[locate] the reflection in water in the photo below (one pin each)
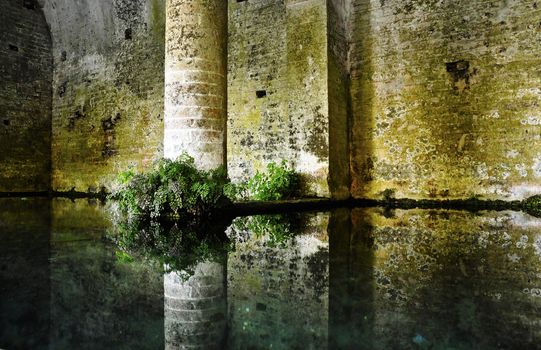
(194, 259)
(61, 286)
(278, 293)
(350, 279)
(441, 280)
(195, 308)
(98, 301)
(179, 247)
(351, 317)
(24, 274)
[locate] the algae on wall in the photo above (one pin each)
(445, 99)
(108, 89)
(277, 94)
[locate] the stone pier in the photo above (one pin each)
(195, 80)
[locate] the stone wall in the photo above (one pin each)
(25, 97)
(445, 98)
(441, 99)
(277, 94)
(107, 89)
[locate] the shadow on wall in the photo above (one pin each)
(362, 92)
(26, 72)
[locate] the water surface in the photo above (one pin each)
(346, 279)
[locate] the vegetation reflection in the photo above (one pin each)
(179, 247)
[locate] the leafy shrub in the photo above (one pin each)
(179, 188)
(278, 182)
(176, 187)
(533, 205)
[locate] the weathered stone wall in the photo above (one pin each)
(278, 283)
(196, 81)
(107, 89)
(26, 72)
(441, 99)
(445, 98)
(277, 89)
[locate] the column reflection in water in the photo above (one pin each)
(195, 307)
(194, 255)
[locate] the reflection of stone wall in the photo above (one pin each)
(278, 295)
(79, 219)
(97, 300)
(24, 273)
(350, 287)
(450, 278)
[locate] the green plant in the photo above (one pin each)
(388, 194)
(179, 188)
(278, 182)
(176, 187)
(533, 205)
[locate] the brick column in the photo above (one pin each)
(195, 310)
(195, 80)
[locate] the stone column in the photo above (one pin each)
(195, 309)
(195, 80)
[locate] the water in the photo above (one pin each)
(347, 279)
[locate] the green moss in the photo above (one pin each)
(85, 154)
(451, 136)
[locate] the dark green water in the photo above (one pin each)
(347, 279)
